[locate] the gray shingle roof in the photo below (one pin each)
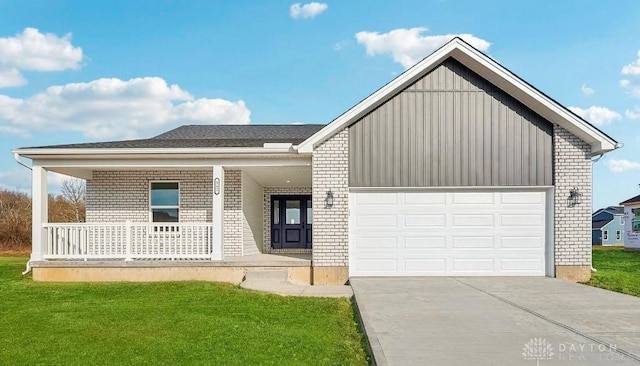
(631, 200)
(599, 224)
(200, 136)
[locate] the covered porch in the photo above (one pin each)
(167, 210)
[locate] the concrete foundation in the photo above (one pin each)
(574, 273)
(330, 275)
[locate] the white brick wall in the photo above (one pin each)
(233, 213)
(572, 230)
(117, 196)
(271, 191)
(331, 225)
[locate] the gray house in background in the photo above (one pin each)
(608, 226)
(455, 168)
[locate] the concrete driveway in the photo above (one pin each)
(497, 321)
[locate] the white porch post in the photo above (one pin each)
(39, 212)
(217, 213)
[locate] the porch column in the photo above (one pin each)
(39, 212)
(217, 213)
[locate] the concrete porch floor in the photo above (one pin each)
(231, 269)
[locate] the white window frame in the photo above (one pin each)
(618, 235)
(605, 234)
(151, 207)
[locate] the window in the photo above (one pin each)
(165, 201)
(621, 220)
(635, 220)
(605, 235)
(618, 235)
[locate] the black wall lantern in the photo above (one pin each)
(575, 197)
(328, 201)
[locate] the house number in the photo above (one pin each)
(216, 186)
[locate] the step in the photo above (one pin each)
(266, 275)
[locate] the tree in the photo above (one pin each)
(74, 191)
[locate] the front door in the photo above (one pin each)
(291, 221)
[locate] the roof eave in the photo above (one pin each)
(44, 153)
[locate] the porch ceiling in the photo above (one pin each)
(299, 176)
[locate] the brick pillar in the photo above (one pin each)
(331, 224)
(572, 225)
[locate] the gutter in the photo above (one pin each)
(16, 157)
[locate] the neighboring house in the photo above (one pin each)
(607, 226)
(455, 168)
(632, 223)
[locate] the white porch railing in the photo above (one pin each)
(129, 241)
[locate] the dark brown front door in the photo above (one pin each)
(291, 222)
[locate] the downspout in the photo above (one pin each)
(16, 157)
(595, 160)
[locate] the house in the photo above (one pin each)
(632, 223)
(607, 226)
(455, 168)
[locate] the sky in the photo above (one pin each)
(81, 71)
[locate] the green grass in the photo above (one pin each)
(188, 323)
(618, 270)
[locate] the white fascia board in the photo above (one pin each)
(152, 151)
(170, 163)
(494, 73)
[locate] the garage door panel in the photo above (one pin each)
(425, 221)
(376, 242)
(522, 242)
(376, 221)
(377, 198)
(472, 265)
(425, 266)
(472, 237)
(473, 198)
(473, 220)
(521, 265)
(521, 220)
(435, 199)
(472, 242)
(424, 242)
(522, 198)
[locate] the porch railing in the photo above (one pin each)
(129, 241)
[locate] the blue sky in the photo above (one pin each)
(75, 71)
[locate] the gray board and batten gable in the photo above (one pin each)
(451, 128)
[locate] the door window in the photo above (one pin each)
(293, 212)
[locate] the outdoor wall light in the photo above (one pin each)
(328, 201)
(575, 197)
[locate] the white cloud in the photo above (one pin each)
(114, 109)
(11, 77)
(622, 165)
(599, 116)
(310, 10)
(587, 90)
(633, 114)
(408, 46)
(35, 51)
(633, 68)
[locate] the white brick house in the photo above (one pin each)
(456, 167)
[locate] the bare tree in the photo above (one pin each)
(74, 191)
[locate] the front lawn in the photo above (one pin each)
(618, 270)
(188, 323)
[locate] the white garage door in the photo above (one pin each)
(447, 233)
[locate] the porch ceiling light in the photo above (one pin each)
(328, 200)
(575, 197)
